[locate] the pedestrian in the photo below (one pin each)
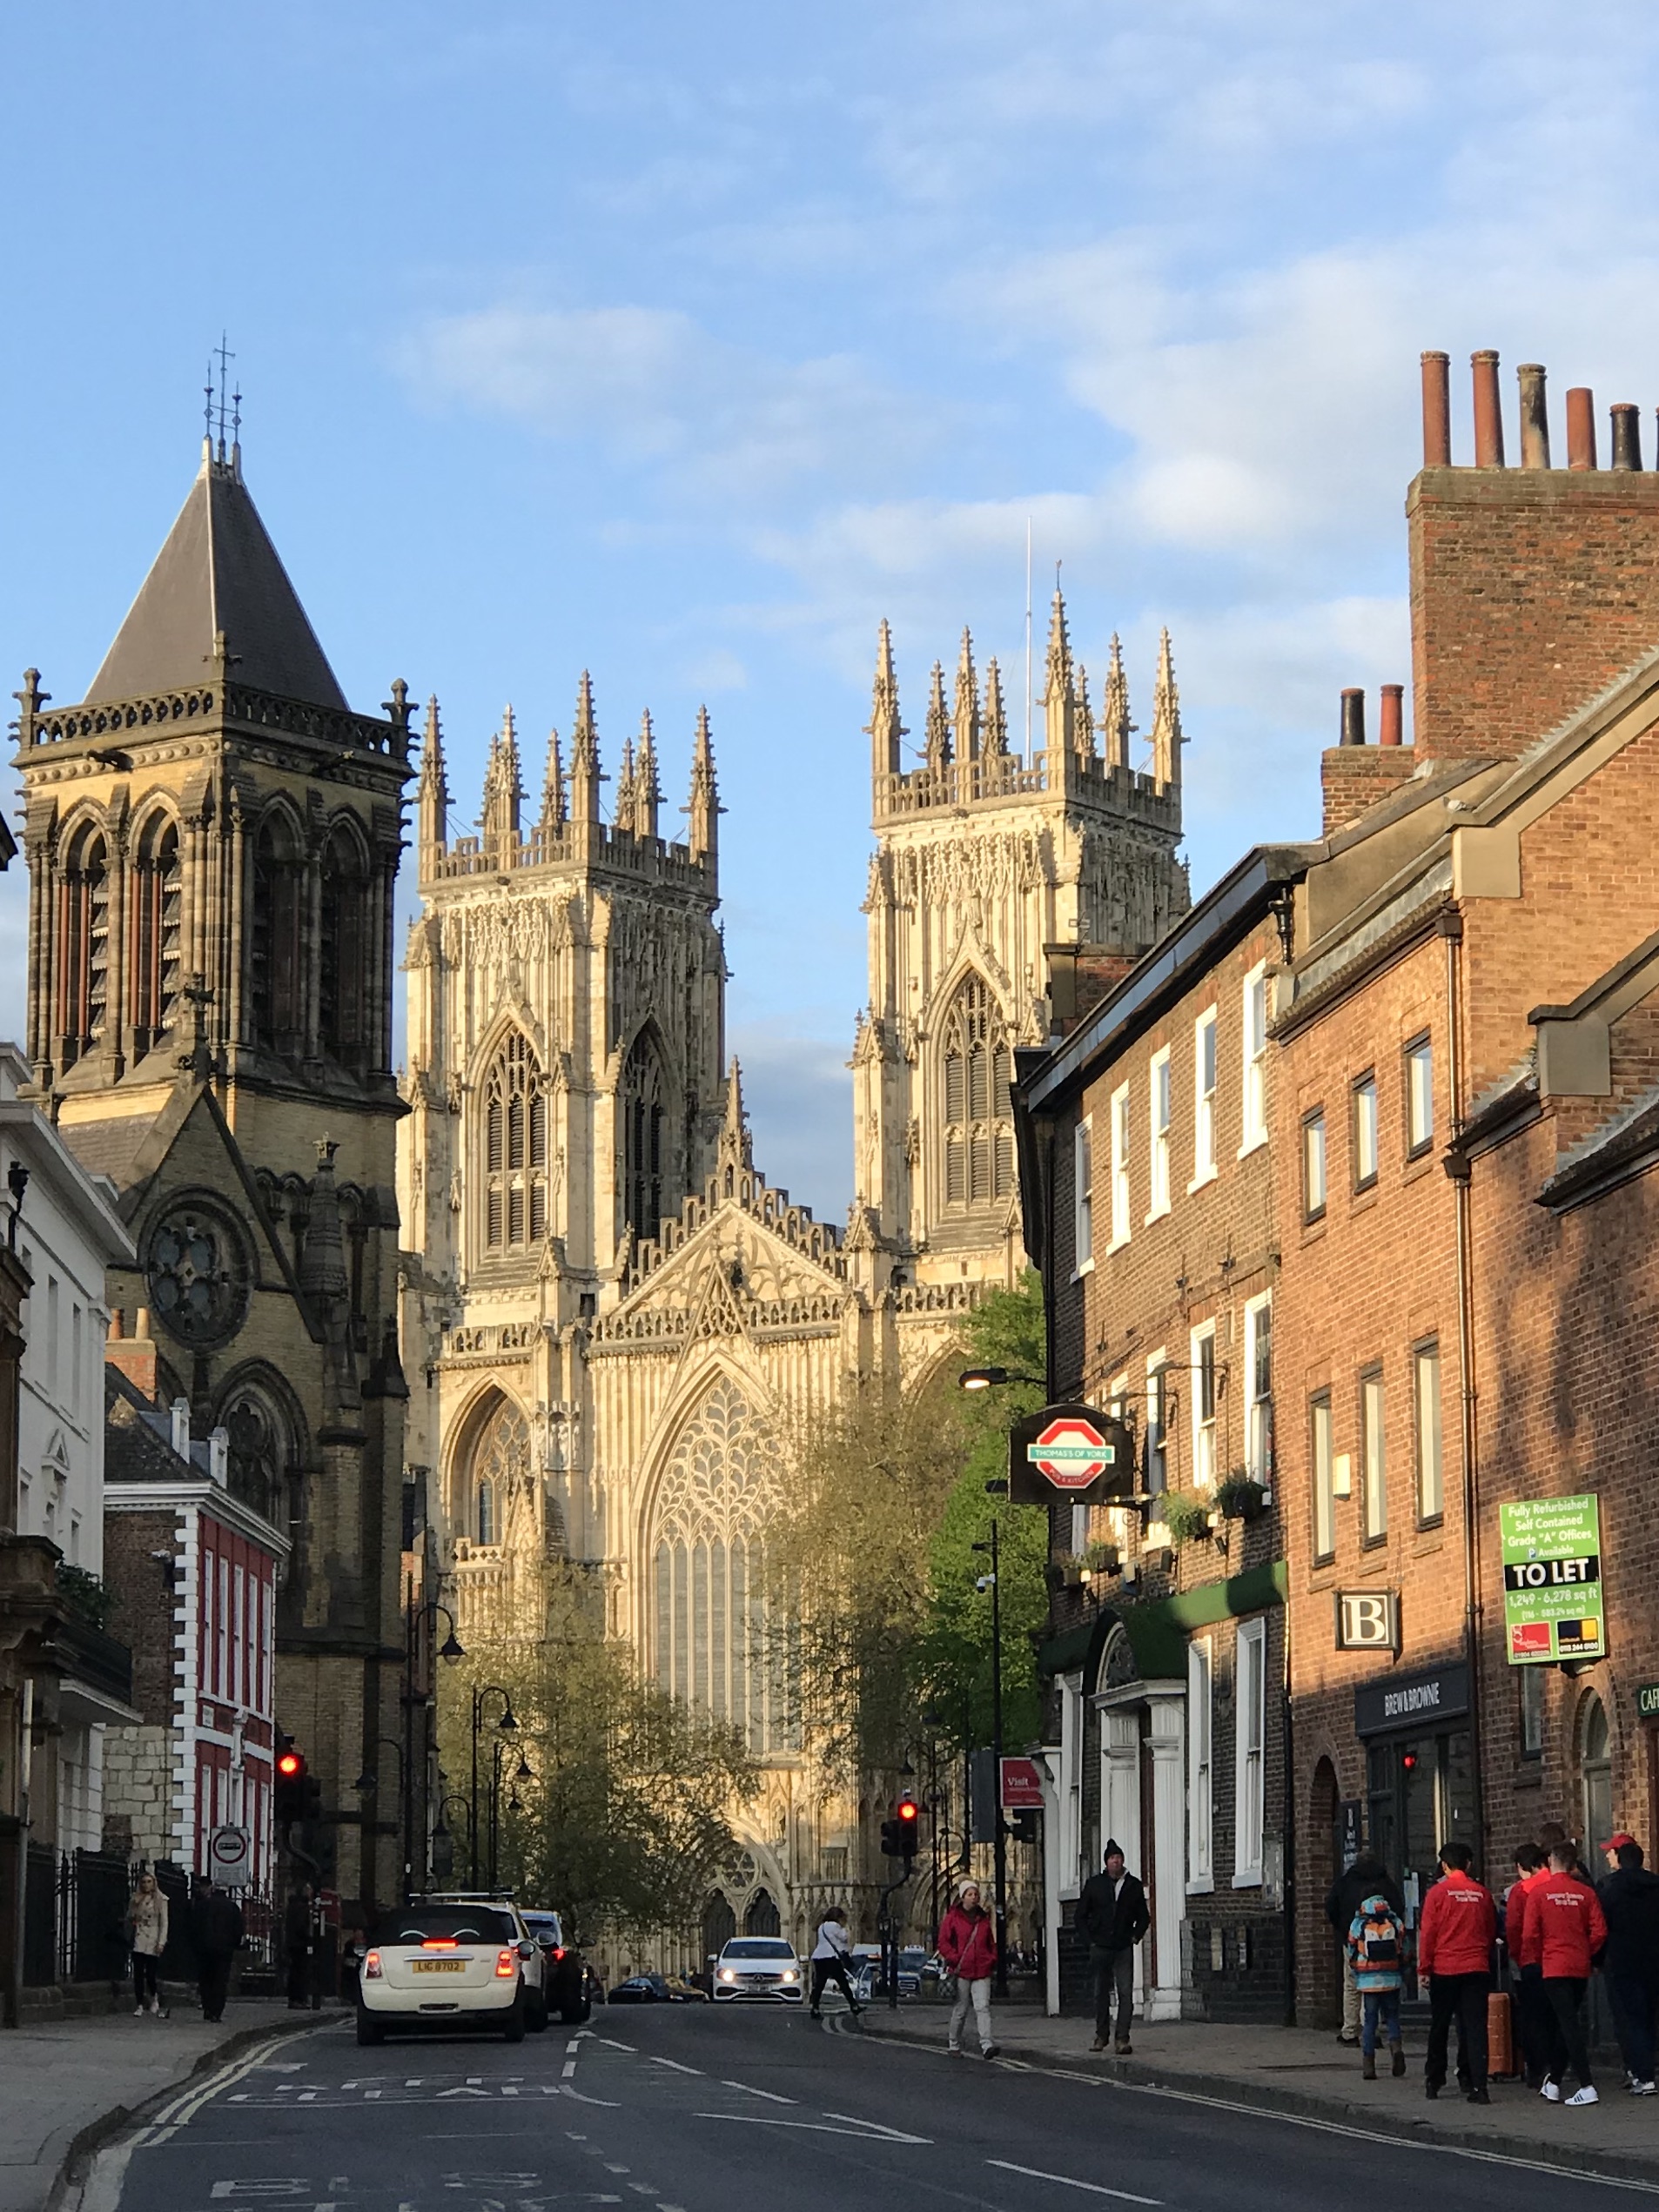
(968, 1946)
(1630, 1905)
(1377, 1946)
(216, 1933)
(1367, 1877)
(296, 1940)
(1112, 1917)
(1455, 1938)
(147, 1922)
(830, 1955)
(1532, 1866)
(1565, 1931)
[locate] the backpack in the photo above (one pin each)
(1379, 1941)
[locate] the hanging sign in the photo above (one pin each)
(1552, 1580)
(1069, 1452)
(1022, 1785)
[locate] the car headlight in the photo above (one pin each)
(727, 1974)
(789, 1974)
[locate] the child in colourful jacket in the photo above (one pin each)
(1377, 1947)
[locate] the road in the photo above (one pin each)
(704, 2109)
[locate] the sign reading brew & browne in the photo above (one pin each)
(1414, 1701)
(1552, 1580)
(1069, 1451)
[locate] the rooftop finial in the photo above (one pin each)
(966, 718)
(1114, 711)
(939, 722)
(885, 727)
(1167, 736)
(1059, 691)
(220, 411)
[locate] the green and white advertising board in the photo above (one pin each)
(1552, 1580)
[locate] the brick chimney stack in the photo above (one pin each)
(134, 1356)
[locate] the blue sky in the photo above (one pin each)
(684, 345)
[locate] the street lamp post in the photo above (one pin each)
(508, 1725)
(999, 1843)
(368, 1782)
(498, 1754)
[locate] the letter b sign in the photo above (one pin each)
(1367, 1620)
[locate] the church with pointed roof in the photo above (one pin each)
(619, 1319)
(213, 836)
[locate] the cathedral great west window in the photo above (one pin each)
(708, 1561)
(515, 1150)
(978, 1117)
(501, 1464)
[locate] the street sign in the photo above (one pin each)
(1021, 1784)
(230, 1857)
(1552, 1580)
(1069, 1452)
(1648, 1701)
(1367, 1620)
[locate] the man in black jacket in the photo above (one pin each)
(1112, 1917)
(1630, 1900)
(1367, 1877)
(216, 1930)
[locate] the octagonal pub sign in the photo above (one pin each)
(1071, 1453)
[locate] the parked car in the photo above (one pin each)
(647, 1989)
(569, 1982)
(452, 1963)
(758, 1966)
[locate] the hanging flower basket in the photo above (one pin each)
(1241, 1498)
(1186, 1516)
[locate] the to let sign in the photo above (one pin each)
(1069, 1451)
(1022, 1785)
(1367, 1620)
(1552, 1580)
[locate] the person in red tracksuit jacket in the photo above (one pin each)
(1455, 1939)
(1565, 1929)
(1531, 1868)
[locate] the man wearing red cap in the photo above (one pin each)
(1629, 1899)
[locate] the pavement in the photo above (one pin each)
(700, 2109)
(1307, 2073)
(66, 2083)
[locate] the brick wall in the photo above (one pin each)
(1530, 590)
(1354, 777)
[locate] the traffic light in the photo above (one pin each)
(892, 1840)
(909, 1816)
(288, 1800)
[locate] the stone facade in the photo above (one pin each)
(213, 836)
(617, 1318)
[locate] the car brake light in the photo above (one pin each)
(558, 1950)
(437, 1942)
(372, 1971)
(507, 1965)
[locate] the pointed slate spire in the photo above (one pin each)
(647, 792)
(584, 776)
(994, 726)
(736, 1147)
(503, 793)
(704, 807)
(1059, 694)
(1166, 719)
(939, 722)
(1115, 725)
(431, 797)
(885, 727)
(967, 711)
(554, 811)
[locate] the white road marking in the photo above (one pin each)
(813, 2127)
(675, 2064)
(609, 2103)
(1066, 2181)
(569, 2069)
(897, 2134)
(771, 2096)
(611, 2043)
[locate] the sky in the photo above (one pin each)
(685, 345)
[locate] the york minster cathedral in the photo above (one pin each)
(611, 1316)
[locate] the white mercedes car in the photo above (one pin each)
(452, 1963)
(758, 1965)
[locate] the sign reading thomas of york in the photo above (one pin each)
(1072, 1450)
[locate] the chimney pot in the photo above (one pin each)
(1626, 435)
(181, 1426)
(1534, 419)
(1353, 717)
(1437, 411)
(1488, 416)
(1390, 716)
(1580, 427)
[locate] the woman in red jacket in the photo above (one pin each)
(968, 1946)
(1565, 1930)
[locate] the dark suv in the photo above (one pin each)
(568, 1982)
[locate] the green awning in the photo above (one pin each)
(1158, 1630)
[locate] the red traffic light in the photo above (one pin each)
(291, 1765)
(908, 1809)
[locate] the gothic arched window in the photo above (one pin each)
(644, 1139)
(499, 1463)
(276, 994)
(156, 891)
(978, 1115)
(485, 1530)
(83, 939)
(342, 951)
(709, 1560)
(515, 1150)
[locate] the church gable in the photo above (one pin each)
(735, 1276)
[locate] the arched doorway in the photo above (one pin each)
(1324, 1859)
(719, 1924)
(762, 1917)
(1595, 1779)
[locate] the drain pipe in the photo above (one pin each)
(1458, 1168)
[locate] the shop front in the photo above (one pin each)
(1419, 1771)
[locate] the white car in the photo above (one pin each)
(452, 1963)
(758, 1965)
